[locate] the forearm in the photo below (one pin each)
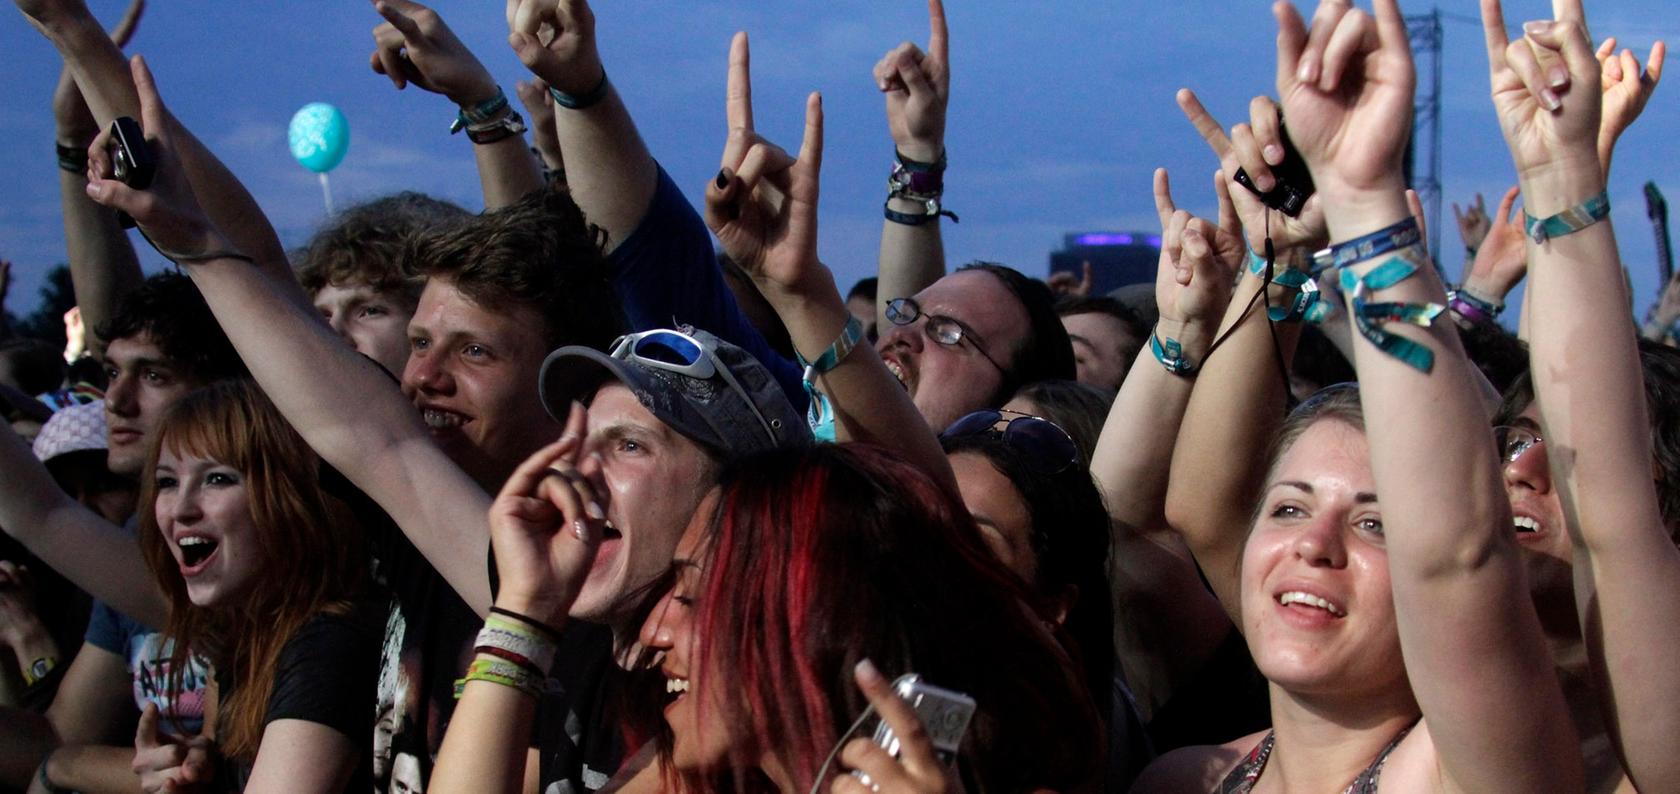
(1238, 402)
(375, 440)
(485, 748)
(869, 405)
(609, 170)
(506, 171)
(31, 641)
(912, 257)
(95, 555)
(1134, 454)
(102, 74)
(25, 739)
(103, 267)
(93, 769)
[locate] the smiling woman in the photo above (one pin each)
(262, 570)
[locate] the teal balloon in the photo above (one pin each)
(319, 136)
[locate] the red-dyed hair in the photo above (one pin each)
(823, 556)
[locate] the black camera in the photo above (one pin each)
(132, 162)
(1294, 183)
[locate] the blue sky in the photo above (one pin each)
(1059, 110)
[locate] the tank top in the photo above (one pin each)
(1241, 780)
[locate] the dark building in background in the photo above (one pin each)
(1117, 259)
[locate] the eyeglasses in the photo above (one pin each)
(679, 353)
(948, 331)
(1513, 441)
(1044, 444)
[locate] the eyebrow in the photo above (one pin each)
(1363, 497)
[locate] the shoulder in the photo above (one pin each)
(1198, 768)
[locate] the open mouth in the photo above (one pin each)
(437, 419)
(1298, 598)
(675, 690)
(1524, 524)
(196, 550)
(897, 371)
(608, 531)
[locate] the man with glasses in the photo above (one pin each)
(969, 340)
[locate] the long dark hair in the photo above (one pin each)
(818, 558)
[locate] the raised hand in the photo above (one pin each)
(1062, 282)
(1346, 87)
(555, 39)
(1473, 223)
(168, 764)
(1543, 90)
(1255, 147)
(763, 204)
(76, 125)
(414, 45)
(1193, 281)
(1501, 262)
(539, 107)
(1626, 90)
(167, 211)
(917, 86)
(917, 770)
(546, 525)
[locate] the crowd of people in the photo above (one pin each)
(598, 490)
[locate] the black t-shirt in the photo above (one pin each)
(1225, 699)
(323, 675)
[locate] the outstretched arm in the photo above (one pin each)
(763, 210)
(917, 86)
(102, 74)
(1474, 654)
(1240, 396)
(376, 439)
(1588, 385)
(414, 46)
(1165, 620)
(103, 267)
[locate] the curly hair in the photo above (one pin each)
(168, 308)
(539, 253)
(364, 244)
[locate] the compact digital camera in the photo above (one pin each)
(944, 714)
(1294, 183)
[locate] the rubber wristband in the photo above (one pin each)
(594, 97)
(72, 159)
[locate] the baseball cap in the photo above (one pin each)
(73, 429)
(709, 390)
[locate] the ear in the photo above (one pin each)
(1063, 604)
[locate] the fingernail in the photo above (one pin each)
(866, 672)
(1274, 154)
(1537, 26)
(1307, 72)
(1559, 76)
(723, 179)
(580, 530)
(1549, 99)
(594, 510)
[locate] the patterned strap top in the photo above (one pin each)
(1242, 779)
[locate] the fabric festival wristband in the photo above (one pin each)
(538, 651)
(1464, 294)
(820, 415)
(1468, 310)
(1284, 277)
(1370, 317)
(500, 653)
(504, 127)
(1305, 305)
(499, 671)
(480, 112)
(1403, 234)
(1171, 355)
(591, 99)
(542, 628)
(1569, 221)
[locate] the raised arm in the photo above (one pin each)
(763, 209)
(103, 267)
(376, 439)
(1626, 88)
(1165, 620)
(102, 74)
(1240, 396)
(917, 87)
(611, 173)
(415, 46)
(1588, 386)
(1474, 653)
(98, 556)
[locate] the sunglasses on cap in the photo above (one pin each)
(1513, 441)
(1045, 445)
(681, 354)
